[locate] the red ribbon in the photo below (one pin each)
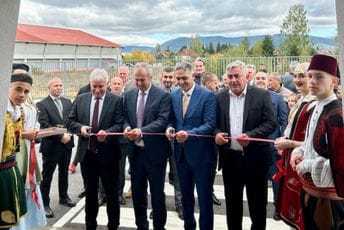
(189, 134)
(32, 167)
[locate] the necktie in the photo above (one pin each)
(139, 114)
(140, 110)
(93, 139)
(185, 102)
(59, 106)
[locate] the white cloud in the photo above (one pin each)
(153, 21)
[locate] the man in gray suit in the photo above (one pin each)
(98, 112)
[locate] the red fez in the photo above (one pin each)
(325, 63)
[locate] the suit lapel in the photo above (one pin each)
(104, 109)
(134, 102)
(179, 106)
(88, 108)
(149, 101)
(248, 99)
(53, 105)
(225, 100)
(192, 101)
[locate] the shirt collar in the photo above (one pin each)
(190, 91)
(101, 98)
(54, 98)
(146, 91)
(243, 93)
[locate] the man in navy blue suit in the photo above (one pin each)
(193, 112)
(281, 115)
(146, 110)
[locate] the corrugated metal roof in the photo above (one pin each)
(45, 34)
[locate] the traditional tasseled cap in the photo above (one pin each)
(325, 63)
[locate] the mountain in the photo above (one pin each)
(175, 44)
(129, 49)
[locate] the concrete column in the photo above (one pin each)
(340, 26)
(9, 11)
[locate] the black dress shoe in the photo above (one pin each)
(67, 202)
(122, 200)
(215, 200)
(151, 215)
(101, 201)
(180, 213)
(276, 216)
(48, 212)
(82, 194)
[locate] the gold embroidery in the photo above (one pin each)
(8, 217)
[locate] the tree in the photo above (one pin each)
(257, 49)
(138, 55)
(196, 44)
(245, 45)
(268, 48)
(157, 48)
(211, 48)
(295, 32)
(218, 47)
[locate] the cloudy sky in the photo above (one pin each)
(148, 22)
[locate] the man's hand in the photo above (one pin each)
(101, 136)
(134, 134)
(220, 138)
(181, 136)
(85, 129)
(242, 139)
(66, 138)
(170, 133)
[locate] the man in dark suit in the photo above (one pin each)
(98, 112)
(56, 150)
(193, 112)
(146, 110)
(244, 111)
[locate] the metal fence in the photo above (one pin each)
(75, 73)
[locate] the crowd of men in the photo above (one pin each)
(253, 128)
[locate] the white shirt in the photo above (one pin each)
(93, 102)
(318, 166)
(236, 116)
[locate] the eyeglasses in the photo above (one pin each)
(182, 78)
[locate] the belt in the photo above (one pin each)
(324, 193)
(7, 164)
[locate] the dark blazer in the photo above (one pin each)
(280, 109)
(111, 120)
(200, 118)
(155, 120)
(49, 117)
(259, 122)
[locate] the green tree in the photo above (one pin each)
(268, 48)
(157, 48)
(196, 44)
(211, 48)
(295, 32)
(245, 45)
(257, 49)
(218, 47)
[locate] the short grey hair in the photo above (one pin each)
(237, 63)
(184, 66)
(146, 66)
(250, 66)
(99, 74)
(276, 76)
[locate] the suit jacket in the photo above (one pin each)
(155, 120)
(199, 118)
(49, 117)
(111, 120)
(258, 122)
(281, 114)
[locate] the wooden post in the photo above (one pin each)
(340, 26)
(9, 11)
